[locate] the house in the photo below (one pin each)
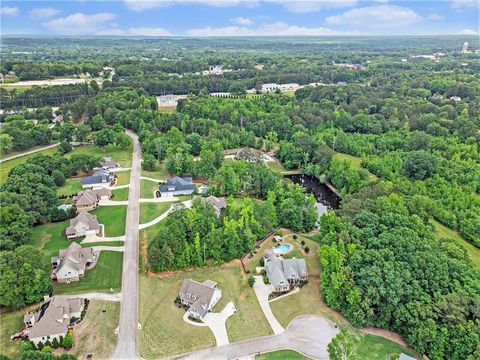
(108, 163)
(200, 297)
(178, 186)
(247, 155)
(88, 200)
(218, 204)
(53, 318)
(456, 98)
(83, 224)
(70, 264)
(405, 357)
(285, 273)
(101, 178)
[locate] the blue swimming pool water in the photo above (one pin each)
(282, 249)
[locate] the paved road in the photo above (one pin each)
(127, 337)
(28, 153)
(306, 334)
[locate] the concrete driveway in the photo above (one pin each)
(307, 334)
(262, 291)
(217, 323)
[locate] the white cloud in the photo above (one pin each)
(9, 11)
(464, 4)
(141, 5)
(79, 23)
(382, 16)
(435, 17)
(240, 20)
(140, 31)
(45, 12)
(468, 32)
(278, 28)
(301, 7)
(111, 32)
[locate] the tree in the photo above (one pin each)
(98, 123)
(149, 162)
(122, 140)
(342, 347)
(419, 165)
(64, 147)
(6, 142)
(67, 131)
(81, 133)
(104, 137)
(58, 178)
(251, 280)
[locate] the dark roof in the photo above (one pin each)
(178, 184)
(98, 177)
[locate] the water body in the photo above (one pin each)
(326, 198)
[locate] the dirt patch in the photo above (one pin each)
(242, 296)
(390, 335)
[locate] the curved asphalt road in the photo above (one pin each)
(127, 337)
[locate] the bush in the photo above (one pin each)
(307, 249)
(47, 349)
(302, 242)
(262, 262)
(265, 280)
(251, 280)
(68, 341)
(263, 272)
(55, 343)
(295, 236)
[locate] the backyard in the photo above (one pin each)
(156, 304)
(113, 218)
(147, 188)
(159, 173)
(123, 156)
(72, 186)
(150, 211)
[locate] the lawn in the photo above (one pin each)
(6, 166)
(356, 163)
(157, 295)
(281, 355)
(106, 275)
(113, 218)
(123, 156)
(445, 232)
(72, 186)
(150, 211)
(371, 347)
(159, 173)
(123, 177)
(50, 238)
(147, 188)
(276, 166)
(120, 194)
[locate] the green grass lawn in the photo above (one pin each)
(276, 167)
(72, 186)
(157, 306)
(281, 355)
(50, 238)
(123, 178)
(123, 156)
(6, 166)
(356, 163)
(120, 194)
(113, 218)
(147, 188)
(445, 232)
(371, 347)
(150, 211)
(159, 173)
(106, 275)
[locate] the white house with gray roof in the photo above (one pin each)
(218, 203)
(284, 273)
(70, 264)
(88, 199)
(200, 297)
(52, 320)
(178, 186)
(99, 179)
(84, 224)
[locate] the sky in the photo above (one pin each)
(240, 17)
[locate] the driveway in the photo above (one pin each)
(28, 152)
(262, 291)
(94, 296)
(108, 202)
(108, 248)
(307, 334)
(217, 323)
(187, 204)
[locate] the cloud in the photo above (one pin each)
(141, 5)
(79, 23)
(45, 12)
(301, 7)
(468, 32)
(464, 4)
(278, 28)
(9, 11)
(140, 31)
(435, 17)
(240, 20)
(382, 16)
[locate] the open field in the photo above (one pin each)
(6, 166)
(148, 188)
(123, 156)
(356, 163)
(120, 194)
(106, 275)
(113, 218)
(157, 295)
(159, 173)
(445, 232)
(150, 211)
(281, 355)
(72, 186)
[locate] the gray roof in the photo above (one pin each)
(75, 256)
(198, 295)
(405, 357)
(279, 271)
(86, 218)
(218, 203)
(85, 198)
(54, 316)
(178, 184)
(108, 162)
(100, 176)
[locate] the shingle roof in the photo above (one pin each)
(89, 220)
(218, 203)
(75, 256)
(278, 271)
(178, 184)
(100, 176)
(198, 295)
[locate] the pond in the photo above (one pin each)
(326, 198)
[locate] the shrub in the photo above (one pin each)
(68, 340)
(251, 280)
(55, 343)
(47, 349)
(262, 261)
(302, 242)
(265, 280)
(295, 236)
(307, 249)
(263, 272)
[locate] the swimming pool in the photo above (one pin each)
(282, 249)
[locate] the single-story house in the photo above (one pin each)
(248, 155)
(101, 178)
(88, 200)
(178, 186)
(285, 273)
(218, 203)
(200, 297)
(52, 319)
(82, 225)
(71, 262)
(108, 163)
